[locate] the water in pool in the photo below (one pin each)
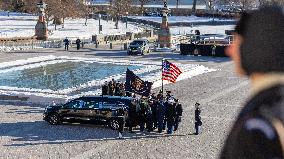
(61, 75)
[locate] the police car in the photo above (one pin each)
(95, 109)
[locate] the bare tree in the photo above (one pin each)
(177, 3)
(119, 8)
(194, 7)
(144, 2)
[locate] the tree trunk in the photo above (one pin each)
(142, 8)
(177, 3)
(86, 20)
(63, 22)
(193, 7)
(116, 23)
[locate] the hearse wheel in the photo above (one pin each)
(196, 52)
(114, 124)
(54, 119)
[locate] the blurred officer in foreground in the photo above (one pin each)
(258, 53)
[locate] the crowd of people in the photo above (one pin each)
(151, 113)
(155, 112)
(114, 88)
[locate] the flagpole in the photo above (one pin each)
(162, 78)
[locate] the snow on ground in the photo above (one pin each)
(22, 25)
(216, 29)
(187, 19)
(173, 6)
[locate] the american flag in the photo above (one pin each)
(170, 71)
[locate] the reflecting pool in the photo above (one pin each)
(61, 75)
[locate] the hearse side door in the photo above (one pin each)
(107, 108)
(72, 109)
(92, 110)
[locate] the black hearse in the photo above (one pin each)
(95, 109)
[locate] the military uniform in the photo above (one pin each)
(178, 116)
(161, 110)
(170, 116)
(105, 89)
(198, 121)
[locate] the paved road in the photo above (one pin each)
(24, 135)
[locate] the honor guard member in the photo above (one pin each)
(111, 88)
(132, 116)
(142, 114)
(168, 96)
(258, 53)
(198, 121)
(121, 121)
(170, 115)
(178, 114)
(160, 95)
(154, 108)
(105, 89)
(149, 119)
(161, 110)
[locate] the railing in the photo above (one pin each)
(9, 46)
(207, 39)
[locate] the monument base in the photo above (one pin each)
(41, 31)
(164, 38)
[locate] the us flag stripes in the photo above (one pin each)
(170, 71)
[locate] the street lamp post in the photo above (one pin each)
(100, 27)
(126, 13)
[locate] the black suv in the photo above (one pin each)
(96, 109)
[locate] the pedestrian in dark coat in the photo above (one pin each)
(178, 114)
(198, 121)
(78, 42)
(258, 53)
(66, 43)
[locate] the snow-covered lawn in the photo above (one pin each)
(188, 19)
(216, 29)
(22, 25)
